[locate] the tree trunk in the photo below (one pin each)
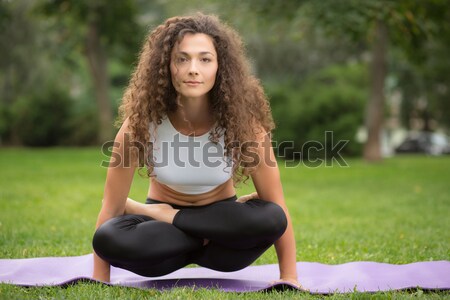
(375, 106)
(97, 62)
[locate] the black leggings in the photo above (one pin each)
(238, 234)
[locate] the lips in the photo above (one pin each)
(192, 83)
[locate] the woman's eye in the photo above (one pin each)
(181, 59)
(205, 59)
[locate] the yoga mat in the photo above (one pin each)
(317, 278)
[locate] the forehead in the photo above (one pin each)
(193, 43)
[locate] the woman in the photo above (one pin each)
(199, 122)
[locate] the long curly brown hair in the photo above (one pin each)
(237, 99)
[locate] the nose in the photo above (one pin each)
(193, 68)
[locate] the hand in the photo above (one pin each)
(292, 281)
(102, 278)
(245, 198)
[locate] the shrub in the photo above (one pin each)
(82, 124)
(333, 99)
(4, 123)
(40, 119)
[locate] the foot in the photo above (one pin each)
(161, 212)
(134, 208)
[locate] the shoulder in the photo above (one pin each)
(125, 128)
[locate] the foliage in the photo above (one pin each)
(425, 87)
(40, 119)
(105, 30)
(21, 51)
(288, 41)
(406, 20)
(115, 19)
(419, 34)
(82, 125)
(28, 76)
(330, 100)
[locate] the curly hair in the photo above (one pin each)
(237, 99)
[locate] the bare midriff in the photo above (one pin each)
(163, 193)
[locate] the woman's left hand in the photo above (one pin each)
(245, 198)
(292, 281)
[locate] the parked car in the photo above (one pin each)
(425, 142)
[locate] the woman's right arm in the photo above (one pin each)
(118, 183)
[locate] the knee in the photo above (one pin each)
(115, 239)
(110, 239)
(104, 240)
(276, 220)
(271, 220)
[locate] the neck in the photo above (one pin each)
(194, 110)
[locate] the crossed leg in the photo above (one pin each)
(238, 233)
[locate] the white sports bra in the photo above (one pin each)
(186, 164)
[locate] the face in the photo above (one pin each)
(193, 65)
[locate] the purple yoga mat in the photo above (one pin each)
(317, 278)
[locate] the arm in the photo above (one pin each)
(117, 187)
(267, 182)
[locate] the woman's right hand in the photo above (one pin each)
(101, 269)
(118, 182)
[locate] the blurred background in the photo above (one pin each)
(375, 73)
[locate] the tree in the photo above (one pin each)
(400, 23)
(375, 105)
(23, 62)
(98, 27)
(425, 83)
(404, 24)
(331, 99)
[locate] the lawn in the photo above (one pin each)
(396, 212)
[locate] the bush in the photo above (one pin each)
(333, 100)
(40, 119)
(82, 124)
(4, 123)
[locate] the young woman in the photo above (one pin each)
(199, 122)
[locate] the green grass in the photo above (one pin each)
(395, 212)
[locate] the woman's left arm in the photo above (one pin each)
(267, 182)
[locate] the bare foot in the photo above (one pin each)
(133, 207)
(161, 211)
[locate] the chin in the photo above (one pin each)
(193, 94)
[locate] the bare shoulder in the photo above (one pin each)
(123, 149)
(124, 129)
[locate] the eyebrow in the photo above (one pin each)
(201, 53)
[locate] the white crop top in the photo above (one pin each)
(186, 164)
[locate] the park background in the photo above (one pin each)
(371, 72)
